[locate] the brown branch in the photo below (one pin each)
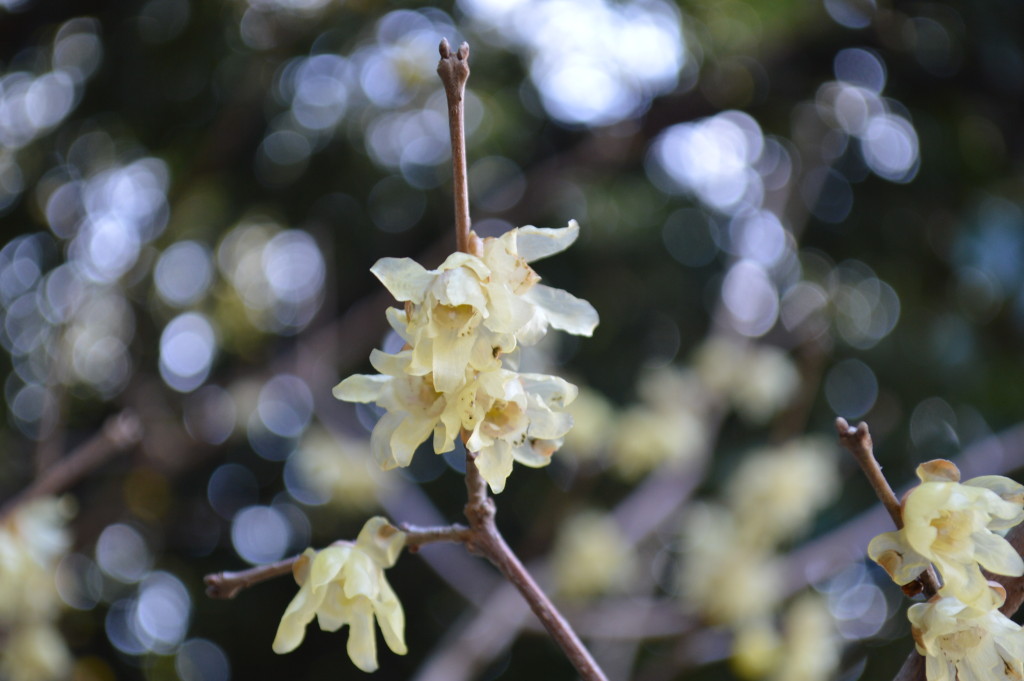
(454, 72)
(119, 433)
(486, 540)
(223, 585)
(858, 442)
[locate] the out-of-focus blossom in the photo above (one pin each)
(961, 643)
(647, 438)
(32, 541)
(593, 418)
(336, 467)
(811, 648)
(757, 380)
(957, 527)
(727, 581)
(591, 557)
(35, 652)
(777, 491)
(755, 649)
(345, 584)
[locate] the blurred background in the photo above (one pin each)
(790, 210)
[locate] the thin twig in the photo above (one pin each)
(454, 72)
(486, 540)
(223, 585)
(119, 433)
(858, 442)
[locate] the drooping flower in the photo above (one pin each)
(758, 380)
(345, 584)
(514, 417)
(961, 643)
(415, 410)
(957, 527)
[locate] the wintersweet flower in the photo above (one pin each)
(778, 490)
(812, 647)
(472, 309)
(514, 417)
(345, 584)
(961, 643)
(591, 556)
(415, 410)
(954, 525)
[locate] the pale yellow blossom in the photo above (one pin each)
(727, 581)
(591, 556)
(32, 541)
(777, 490)
(514, 417)
(340, 469)
(957, 527)
(811, 646)
(345, 584)
(415, 410)
(593, 419)
(961, 643)
(755, 649)
(34, 651)
(757, 380)
(472, 309)
(646, 438)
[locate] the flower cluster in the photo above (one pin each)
(345, 584)
(459, 322)
(731, 572)
(33, 539)
(959, 528)
(757, 380)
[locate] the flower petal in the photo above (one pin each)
(362, 642)
(534, 243)
(381, 540)
(362, 388)
(405, 278)
(997, 555)
(563, 310)
(892, 552)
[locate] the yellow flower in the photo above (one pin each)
(339, 469)
(32, 541)
(472, 309)
(514, 417)
(811, 649)
(414, 409)
(34, 651)
(345, 584)
(961, 643)
(954, 526)
(777, 491)
(759, 380)
(591, 556)
(727, 580)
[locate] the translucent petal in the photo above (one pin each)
(460, 287)
(534, 243)
(398, 321)
(362, 642)
(495, 464)
(563, 310)
(362, 388)
(391, 619)
(996, 555)
(404, 278)
(380, 438)
(892, 552)
(938, 470)
(452, 350)
(361, 577)
(459, 260)
(327, 564)
(408, 435)
(298, 614)
(390, 365)
(554, 391)
(547, 425)
(381, 540)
